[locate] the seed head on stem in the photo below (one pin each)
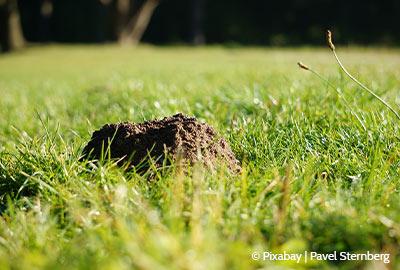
(301, 65)
(329, 40)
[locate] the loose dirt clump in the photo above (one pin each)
(178, 137)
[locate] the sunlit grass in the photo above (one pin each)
(315, 177)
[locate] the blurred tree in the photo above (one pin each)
(16, 38)
(261, 22)
(120, 16)
(197, 22)
(10, 27)
(133, 32)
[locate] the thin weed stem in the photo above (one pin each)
(333, 49)
(322, 78)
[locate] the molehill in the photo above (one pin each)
(178, 137)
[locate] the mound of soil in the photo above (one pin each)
(176, 137)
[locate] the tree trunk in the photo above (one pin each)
(119, 16)
(16, 37)
(133, 32)
(10, 26)
(197, 22)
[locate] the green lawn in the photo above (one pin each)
(317, 175)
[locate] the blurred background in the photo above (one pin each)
(233, 22)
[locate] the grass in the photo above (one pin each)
(318, 175)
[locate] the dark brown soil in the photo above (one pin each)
(176, 137)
